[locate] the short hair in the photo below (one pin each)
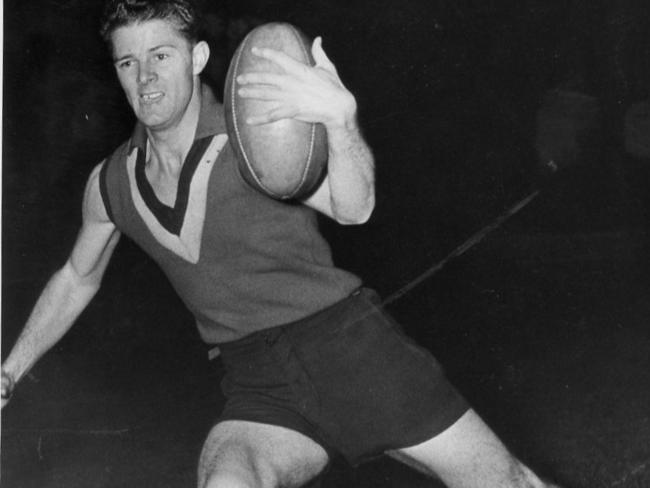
(182, 13)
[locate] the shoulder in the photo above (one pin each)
(103, 174)
(94, 208)
(119, 153)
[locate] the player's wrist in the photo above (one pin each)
(344, 118)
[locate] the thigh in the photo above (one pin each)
(376, 388)
(249, 454)
(468, 454)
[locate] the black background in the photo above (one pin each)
(464, 103)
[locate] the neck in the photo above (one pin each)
(169, 147)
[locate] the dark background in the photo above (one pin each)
(469, 106)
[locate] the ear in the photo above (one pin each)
(200, 55)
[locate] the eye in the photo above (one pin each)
(162, 56)
(127, 63)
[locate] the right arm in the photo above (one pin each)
(68, 291)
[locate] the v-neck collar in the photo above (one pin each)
(171, 218)
(211, 122)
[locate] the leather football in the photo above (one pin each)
(285, 159)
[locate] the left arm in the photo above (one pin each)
(316, 95)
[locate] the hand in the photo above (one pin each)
(306, 93)
(6, 389)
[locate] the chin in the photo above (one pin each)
(153, 121)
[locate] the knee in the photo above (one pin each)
(233, 456)
(236, 470)
(225, 481)
(230, 480)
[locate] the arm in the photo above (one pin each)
(316, 95)
(68, 291)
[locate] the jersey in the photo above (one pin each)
(239, 260)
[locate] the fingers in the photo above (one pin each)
(283, 60)
(289, 64)
(273, 115)
(291, 67)
(295, 90)
(268, 88)
(260, 78)
(259, 93)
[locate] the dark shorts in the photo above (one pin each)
(347, 377)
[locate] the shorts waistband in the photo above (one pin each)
(269, 334)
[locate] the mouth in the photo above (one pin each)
(151, 97)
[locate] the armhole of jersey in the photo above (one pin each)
(103, 190)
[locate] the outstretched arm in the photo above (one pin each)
(67, 292)
(317, 95)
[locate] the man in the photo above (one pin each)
(314, 368)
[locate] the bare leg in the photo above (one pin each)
(469, 455)
(241, 454)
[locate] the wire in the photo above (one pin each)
(462, 248)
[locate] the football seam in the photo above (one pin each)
(233, 110)
(312, 138)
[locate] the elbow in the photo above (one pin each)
(88, 286)
(83, 284)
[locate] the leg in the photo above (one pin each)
(468, 454)
(240, 454)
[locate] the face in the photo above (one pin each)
(158, 69)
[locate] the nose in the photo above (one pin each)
(146, 74)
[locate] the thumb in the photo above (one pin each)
(320, 57)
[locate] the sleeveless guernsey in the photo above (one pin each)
(240, 261)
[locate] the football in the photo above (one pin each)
(285, 159)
